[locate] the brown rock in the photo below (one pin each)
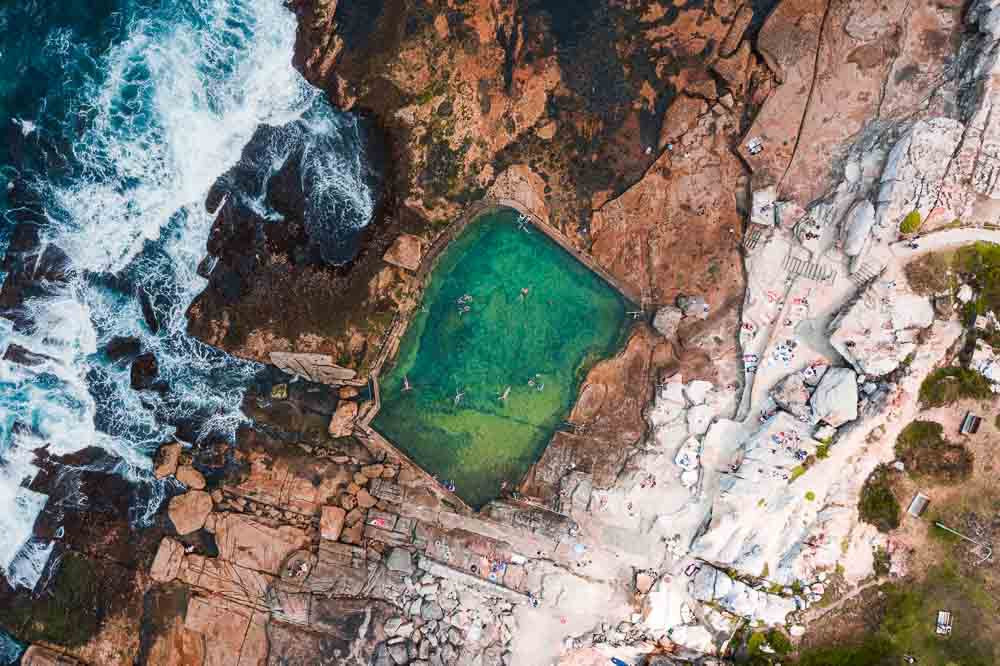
(372, 471)
(644, 582)
(735, 35)
(342, 422)
(232, 633)
(167, 457)
(41, 656)
(360, 479)
(348, 501)
(331, 523)
(347, 392)
(354, 515)
(188, 511)
(254, 545)
(168, 560)
(405, 252)
(353, 488)
(365, 500)
(735, 68)
(191, 477)
(353, 534)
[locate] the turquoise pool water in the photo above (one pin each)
(509, 325)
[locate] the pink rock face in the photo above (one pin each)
(188, 511)
(331, 523)
(168, 560)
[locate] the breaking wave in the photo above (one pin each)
(121, 167)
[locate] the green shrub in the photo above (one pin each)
(823, 450)
(810, 496)
(926, 452)
(878, 506)
(947, 385)
(874, 651)
(910, 223)
(980, 264)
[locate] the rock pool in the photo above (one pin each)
(491, 363)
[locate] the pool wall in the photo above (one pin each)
(391, 341)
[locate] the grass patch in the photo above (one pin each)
(911, 223)
(907, 626)
(927, 454)
(823, 450)
(945, 386)
(878, 506)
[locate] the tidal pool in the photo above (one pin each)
(491, 363)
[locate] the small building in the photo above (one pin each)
(918, 505)
(943, 623)
(970, 424)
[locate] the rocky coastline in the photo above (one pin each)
(744, 174)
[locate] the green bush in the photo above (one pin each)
(926, 452)
(878, 506)
(874, 651)
(980, 264)
(910, 223)
(947, 385)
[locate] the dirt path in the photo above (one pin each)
(816, 612)
(943, 240)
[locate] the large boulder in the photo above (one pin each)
(188, 511)
(876, 331)
(792, 395)
(666, 321)
(857, 226)
(835, 400)
(405, 252)
(331, 523)
(166, 459)
(167, 562)
(342, 423)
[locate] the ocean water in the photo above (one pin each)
(117, 118)
(10, 650)
(510, 323)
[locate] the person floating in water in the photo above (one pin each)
(406, 383)
(458, 397)
(505, 394)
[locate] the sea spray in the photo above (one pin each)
(143, 113)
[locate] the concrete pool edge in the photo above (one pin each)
(389, 346)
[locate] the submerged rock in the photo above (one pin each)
(145, 370)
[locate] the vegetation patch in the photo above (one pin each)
(926, 453)
(979, 264)
(929, 274)
(910, 223)
(907, 627)
(878, 505)
(945, 386)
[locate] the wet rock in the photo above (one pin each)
(18, 354)
(667, 320)
(145, 370)
(188, 511)
(120, 347)
(37, 655)
(166, 459)
(191, 477)
(342, 423)
(331, 523)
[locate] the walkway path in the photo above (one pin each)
(943, 240)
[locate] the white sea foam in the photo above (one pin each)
(177, 101)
